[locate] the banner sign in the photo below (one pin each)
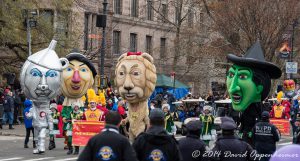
(83, 130)
(282, 125)
(291, 67)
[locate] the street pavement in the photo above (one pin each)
(12, 147)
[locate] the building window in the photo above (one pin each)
(91, 38)
(148, 44)
(133, 42)
(118, 7)
(86, 30)
(62, 24)
(134, 8)
(46, 17)
(190, 18)
(149, 10)
(163, 46)
(117, 42)
(164, 12)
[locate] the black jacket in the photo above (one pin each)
(156, 143)
(8, 103)
(248, 120)
(265, 136)
(231, 148)
(192, 148)
(108, 145)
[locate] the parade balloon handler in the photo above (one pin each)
(248, 83)
(40, 80)
(135, 81)
(207, 122)
(55, 116)
(28, 124)
(77, 78)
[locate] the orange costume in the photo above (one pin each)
(281, 110)
(93, 115)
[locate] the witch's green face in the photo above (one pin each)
(241, 88)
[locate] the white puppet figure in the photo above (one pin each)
(40, 80)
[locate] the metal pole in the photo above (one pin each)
(103, 45)
(174, 83)
(292, 44)
(28, 33)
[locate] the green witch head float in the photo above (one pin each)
(249, 79)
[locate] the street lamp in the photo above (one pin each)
(295, 23)
(29, 23)
(101, 22)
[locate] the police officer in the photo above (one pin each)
(265, 136)
(156, 144)
(109, 144)
(191, 147)
(229, 147)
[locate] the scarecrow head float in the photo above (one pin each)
(41, 74)
(78, 77)
(135, 76)
(249, 79)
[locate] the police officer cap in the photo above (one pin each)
(265, 115)
(227, 123)
(157, 114)
(194, 125)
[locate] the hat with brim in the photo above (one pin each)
(254, 58)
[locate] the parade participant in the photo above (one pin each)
(109, 145)
(156, 143)
(40, 80)
(192, 142)
(228, 142)
(76, 114)
(135, 82)
(169, 122)
(55, 116)
(248, 83)
(281, 109)
(78, 77)
(28, 123)
(265, 136)
(92, 113)
(207, 122)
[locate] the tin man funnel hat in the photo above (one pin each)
(48, 58)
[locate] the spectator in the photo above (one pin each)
(8, 104)
(192, 143)
(17, 106)
(156, 144)
(28, 123)
(228, 142)
(265, 136)
(109, 144)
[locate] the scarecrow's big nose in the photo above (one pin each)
(76, 77)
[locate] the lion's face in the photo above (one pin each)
(131, 80)
(134, 81)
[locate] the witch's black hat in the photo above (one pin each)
(254, 58)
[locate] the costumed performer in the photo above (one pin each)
(76, 114)
(55, 116)
(92, 113)
(248, 83)
(281, 109)
(78, 77)
(207, 120)
(169, 120)
(135, 81)
(40, 80)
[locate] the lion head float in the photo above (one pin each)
(135, 76)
